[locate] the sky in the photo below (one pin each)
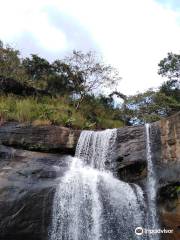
(131, 35)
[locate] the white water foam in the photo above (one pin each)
(96, 148)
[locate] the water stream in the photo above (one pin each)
(90, 203)
(151, 187)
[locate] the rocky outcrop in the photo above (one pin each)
(167, 161)
(130, 164)
(39, 138)
(170, 139)
(165, 147)
(27, 183)
(32, 162)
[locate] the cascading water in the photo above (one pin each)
(96, 148)
(151, 187)
(90, 203)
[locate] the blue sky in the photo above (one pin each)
(173, 4)
(132, 35)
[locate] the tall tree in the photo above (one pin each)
(90, 74)
(10, 63)
(62, 78)
(169, 67)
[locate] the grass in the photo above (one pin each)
(58, 111)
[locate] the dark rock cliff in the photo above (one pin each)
(27, 184)
(33, 159)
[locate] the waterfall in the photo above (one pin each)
(151, 187)
(89, 202)
(96, 148)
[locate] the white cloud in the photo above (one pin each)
(132, 35)
(18, 17)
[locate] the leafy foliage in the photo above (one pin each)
(36, 67)
(170, 66)
(10, 63)
(149, 107)
(62, 78)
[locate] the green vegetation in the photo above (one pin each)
(150, 106)
(75, 87)
(59, 110)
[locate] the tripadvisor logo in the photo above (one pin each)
(140, 231)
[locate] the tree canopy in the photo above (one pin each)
(36, 67)
(91, 72)
(170, 66)
(10, 63)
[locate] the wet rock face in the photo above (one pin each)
(27, 185)
(131, 145)
(130, 157)
(169, 207)
(133, 173)
(165, 148)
